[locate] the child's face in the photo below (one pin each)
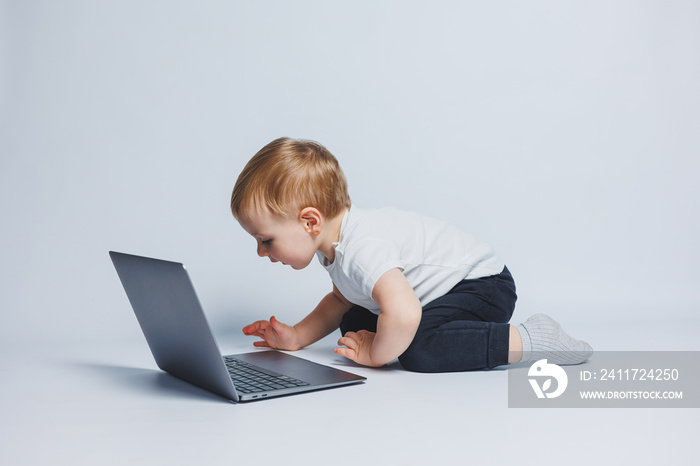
(282, 240)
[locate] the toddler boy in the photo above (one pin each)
(404, 285)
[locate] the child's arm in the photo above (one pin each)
(396, 326)
(324, 319)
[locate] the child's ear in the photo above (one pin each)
(312, 220)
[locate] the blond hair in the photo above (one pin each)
(288, 175)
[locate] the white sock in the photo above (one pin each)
(543, 338)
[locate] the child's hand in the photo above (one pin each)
(274, 334)
(357, 347)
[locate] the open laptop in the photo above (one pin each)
(183, 345)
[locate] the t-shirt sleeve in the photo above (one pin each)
(372, 258)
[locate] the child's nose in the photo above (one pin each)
(262, 251)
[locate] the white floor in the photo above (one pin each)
(106, 403)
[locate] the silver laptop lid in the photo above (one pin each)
(173, 322)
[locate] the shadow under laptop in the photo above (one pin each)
(148, 382)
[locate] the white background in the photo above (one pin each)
(565, 134)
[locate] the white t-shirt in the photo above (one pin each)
(433, 255)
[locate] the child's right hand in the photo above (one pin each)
(274, 334)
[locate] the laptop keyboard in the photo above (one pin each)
(248, 379)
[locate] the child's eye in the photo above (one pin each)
(267, 242)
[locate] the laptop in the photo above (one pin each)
(178, 334)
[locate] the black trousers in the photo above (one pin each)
(466, 329)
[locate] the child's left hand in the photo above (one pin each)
(357, 347)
